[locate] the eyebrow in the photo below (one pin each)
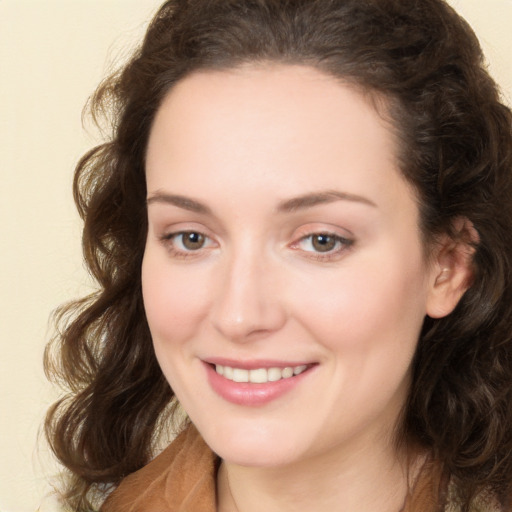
(180, 201)
(290, 205)
(319, 198)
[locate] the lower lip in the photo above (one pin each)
(249, 394)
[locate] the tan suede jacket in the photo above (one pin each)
(182, 479)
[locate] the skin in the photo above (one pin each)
(241, 146)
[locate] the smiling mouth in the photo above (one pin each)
(259, 375)
(255, 383)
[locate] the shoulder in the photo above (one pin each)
(182, 477)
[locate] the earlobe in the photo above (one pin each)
(452, 269)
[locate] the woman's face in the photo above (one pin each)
(282, 241)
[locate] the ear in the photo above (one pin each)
(451, 268)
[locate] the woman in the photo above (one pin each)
(301, 232)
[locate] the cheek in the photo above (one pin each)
(370, 305)
(175, 299)
(368, 322)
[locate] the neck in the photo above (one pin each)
(351, 479)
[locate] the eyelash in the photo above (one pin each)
(341, 245)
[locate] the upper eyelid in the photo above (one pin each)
(174, 228)
(338, 237)
(315, 228)
(160, 224)
(325, 232)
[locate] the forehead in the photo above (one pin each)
(275, 91)
(289, 128)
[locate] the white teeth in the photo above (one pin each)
(259, 375)
(274, 374)
(228, 372)
(299, 369)
(240, 375)
(287, 373)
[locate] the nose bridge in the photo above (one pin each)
(247, 301)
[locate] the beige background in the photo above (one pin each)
(52, 55)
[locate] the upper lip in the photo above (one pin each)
(255, 363)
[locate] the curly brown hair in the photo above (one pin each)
(456, 150)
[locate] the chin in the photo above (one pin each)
(256, 446)
(257, 456)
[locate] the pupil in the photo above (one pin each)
(193, 240)
(323, 243)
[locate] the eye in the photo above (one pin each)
(323, 243)
(189, 241)
(185, 243)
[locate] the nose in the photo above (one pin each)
(248, 303)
